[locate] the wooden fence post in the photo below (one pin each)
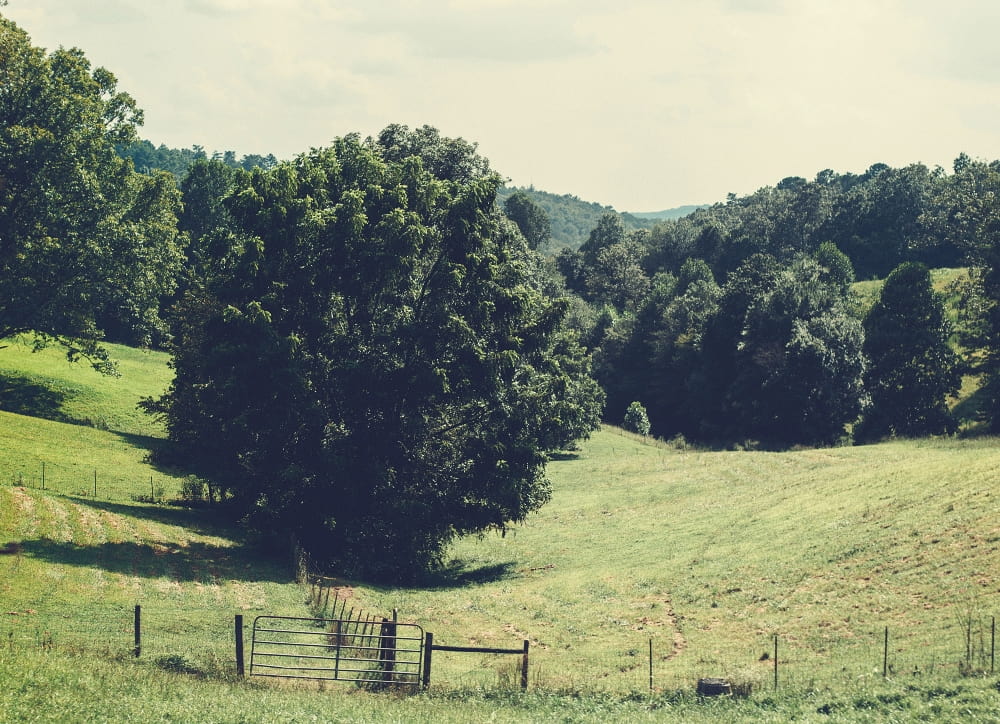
(524, 667)
(238, 632)
(387, 649)
(428, 648)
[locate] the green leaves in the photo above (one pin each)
(380, 358)
(913, 369)
(86, 242)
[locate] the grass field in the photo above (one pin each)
(701, 557)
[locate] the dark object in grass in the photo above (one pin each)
(10, 549)
(714, 687)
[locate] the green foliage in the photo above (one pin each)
(147, 158)
(376, 370)
(773, 356)
(87, 242)
(616, 276)
(570, 219)
(837, 267)
(912, 368)
(967, 214)
(636, 420)
(800, 362)
(607, 269)
(878, 219)
(529, 217)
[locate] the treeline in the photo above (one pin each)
(737, 322)
(148, 158)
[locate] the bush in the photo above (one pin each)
(636, 419)
(193, 489)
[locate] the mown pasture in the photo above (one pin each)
(699, 556)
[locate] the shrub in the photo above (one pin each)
(636, 419)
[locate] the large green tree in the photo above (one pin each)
(912, 368)
(800, 360)
(85, 241)
(377, 371)
(781, 359)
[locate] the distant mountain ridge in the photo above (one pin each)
(572, 219)
(675, 213)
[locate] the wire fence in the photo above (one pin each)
(199, 638)
(195, 633)
(192, 639)
(89, 482)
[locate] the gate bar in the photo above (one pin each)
(430, 646)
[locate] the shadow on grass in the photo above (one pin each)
(969, 410)
(33, 398)
(25, 396)
(192, 562)
(457, 574)
(204, 521)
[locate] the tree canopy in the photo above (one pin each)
(85, 241)
(912, 367)
(374, 369)
(529, 217)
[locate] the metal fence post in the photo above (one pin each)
(885, 655)
(138, 630)
(776, 662)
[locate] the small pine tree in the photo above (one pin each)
(636, 419)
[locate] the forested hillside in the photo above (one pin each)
(571, 219)
(148, 158)
(376, 346)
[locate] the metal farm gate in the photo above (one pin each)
(370, 653)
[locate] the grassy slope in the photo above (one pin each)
(711, 553)
(76, 422)
(86, 561)
(707, 554)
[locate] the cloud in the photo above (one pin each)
(636, 103)
(510, 32)
(229, 8)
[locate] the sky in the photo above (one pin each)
(639, 104)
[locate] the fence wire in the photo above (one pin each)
(88, 482)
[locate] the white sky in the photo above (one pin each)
(641, 104)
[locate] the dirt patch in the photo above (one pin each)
(90, 528)
(25, 506)
(666, 620)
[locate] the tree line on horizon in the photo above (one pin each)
(372, 353)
